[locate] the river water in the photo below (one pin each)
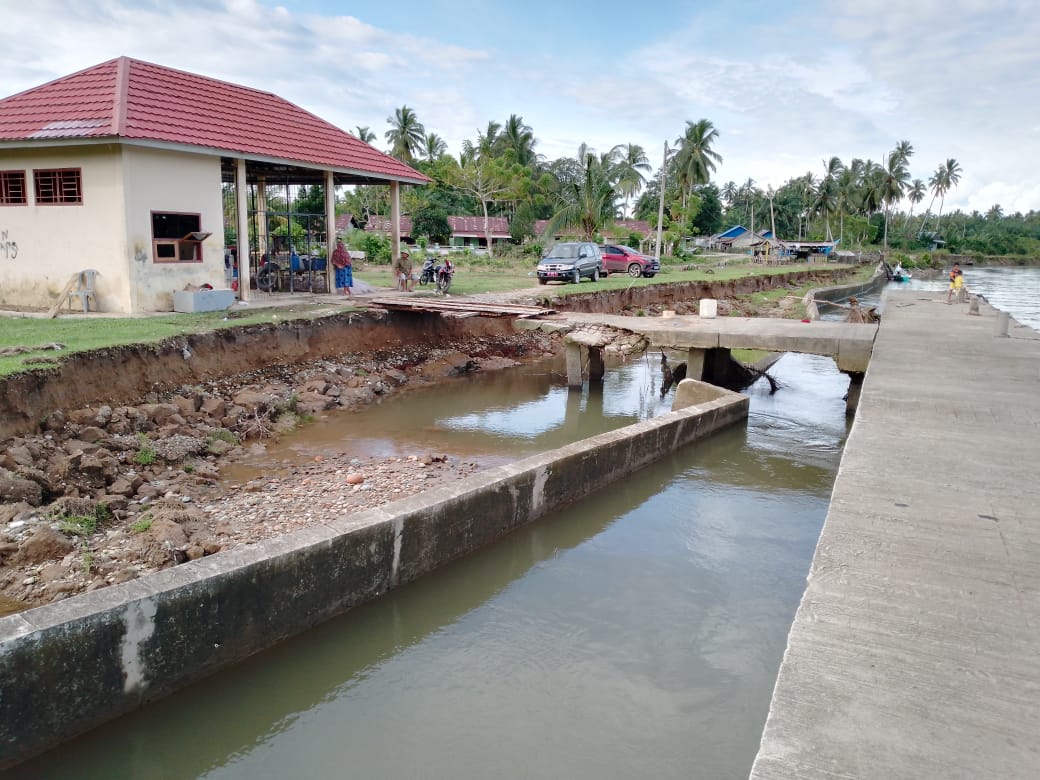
(636, 634)
(1014, 290)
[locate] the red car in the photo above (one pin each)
(618, 258)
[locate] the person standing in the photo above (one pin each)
(344, 268)
(956, 282)
(403, 271)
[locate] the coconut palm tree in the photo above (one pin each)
(904, 151)
(826, 200)
(951, 173)
(729, 193)
(629, 162)
(406, 134)
(364, 133)
(894, 180)
(434, 146)
(694, 158)
(589, 201)
(915, 194)
(487, 141)
(519, 139)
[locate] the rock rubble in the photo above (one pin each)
(104, 494)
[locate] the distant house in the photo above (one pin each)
(123, 168)
(472, 231)
(345, 223)
(465, 231)
(383, 225)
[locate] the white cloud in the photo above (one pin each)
(785, 86)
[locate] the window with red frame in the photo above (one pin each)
(61, 186)
(12, 188)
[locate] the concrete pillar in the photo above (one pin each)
(395, 223)
(242, 228)
(695, 363)
(855, 388)
(1003, 319)
(596, 368)
(330, 225)
(573, 365)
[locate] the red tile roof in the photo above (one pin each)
(136, 100)
(344, 221)
(474, 226)
(378, 224)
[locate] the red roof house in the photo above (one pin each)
(123, 168)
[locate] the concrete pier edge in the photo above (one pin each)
(913, 652)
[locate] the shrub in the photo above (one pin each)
(142, 524)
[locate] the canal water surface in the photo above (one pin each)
(635, 634)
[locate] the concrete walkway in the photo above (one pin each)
(849, 344)
(915, 652)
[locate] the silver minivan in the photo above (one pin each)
(568, 261)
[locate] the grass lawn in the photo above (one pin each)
(481, 275)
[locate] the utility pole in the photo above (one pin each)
(772, 217)
(660, 206)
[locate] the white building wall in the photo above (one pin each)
(41, 246)
(160, 180)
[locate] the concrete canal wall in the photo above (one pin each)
(840, 292)
(70, 666)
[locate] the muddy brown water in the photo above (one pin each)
(635, 634)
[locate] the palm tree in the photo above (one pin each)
(434, 146)
(487, 141)
(519, 139)
(915, 195)
(826, 201)
(951, 174)
(894, 181)
(694, 158)
(729, 193)
(588, 202)
(629, 162)
(746, 196)
(406, 135)
(365, 134)
(904, 151)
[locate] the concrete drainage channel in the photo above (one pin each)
(70, 666)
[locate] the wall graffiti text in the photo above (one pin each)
(8, 248)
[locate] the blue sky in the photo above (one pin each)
(787, 84)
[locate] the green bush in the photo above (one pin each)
(146, 454)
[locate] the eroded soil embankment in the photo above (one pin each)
(128, 374)
(668, 295)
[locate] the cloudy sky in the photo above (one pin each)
(787, 84)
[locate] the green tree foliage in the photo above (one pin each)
(431, 222)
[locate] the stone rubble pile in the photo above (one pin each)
(105, 494)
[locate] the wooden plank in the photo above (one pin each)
(469, 308)
(63, 296)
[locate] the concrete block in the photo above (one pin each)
(190, 301)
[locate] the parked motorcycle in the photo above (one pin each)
(445, 273)
(440, 275)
